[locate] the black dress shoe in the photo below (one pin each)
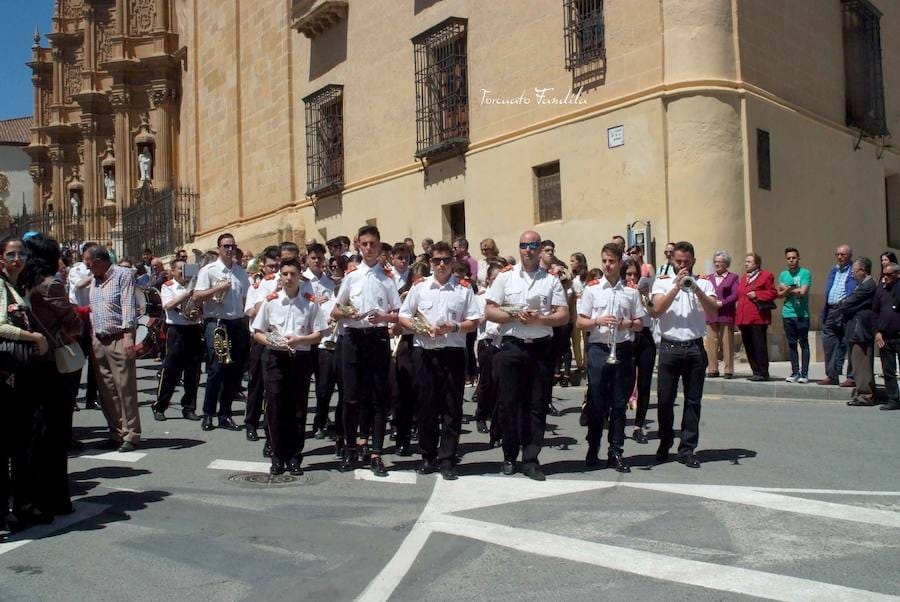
(365, 453)
(159, 416)
(615, 461)
(508, 467)
(76, 445)
(267, 449)
(689, 460)
(277, 468)
(91, 405)
(495, 443)
(252, 434)
(377, 467)
(551, 409)
(639, 436)
(449, 473)
(293, 467)
(891, 405)
(206, 423)
(127, 446)
(189, 415)
(348, 460)
(404, 450)
(533, 471)
(338, 451)
(228, 424)
(482, 426)
(320, 433)
(592, 460)
(426, 467)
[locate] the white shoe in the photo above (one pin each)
(791, 379)
(802, 380)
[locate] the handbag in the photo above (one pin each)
(15, 355)
(69, 358)
(765, 305)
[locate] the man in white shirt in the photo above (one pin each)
(223, 378)
(79, 281)
(256, 296)
(400, 264)
(366, 350)
(609, 313)
(323, 355)
(447, 307)
(294, 318)
(527, 302)
(184, 348)
(681, 304)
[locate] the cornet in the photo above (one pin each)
(613, 331)
(220, 296)
(688, 283)
(222, 345)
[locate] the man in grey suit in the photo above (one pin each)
(860, 331)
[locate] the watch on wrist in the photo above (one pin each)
(457, 327)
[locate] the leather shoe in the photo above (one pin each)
(848, 384)
(348, 460)
(591, 459)
(228, 424)
(533, 471)
(377, 467)
(293, 467)
(551, 409)
(508, 467)
(891, 405)
(404, 450)
(689, 460)
(826, 381)
(277, 468)
(127, 446)
(482, 426)
(267, 449)
(583, 417)
(189, 415)
(662, 453)
(91, 405)
(860, 402)
(365, 453)
(252, 434)
(615, 461)
(426, 467)
(639, 436)
(449, 473)
(158, 415)
(206, 423)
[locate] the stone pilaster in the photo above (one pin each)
(162, 100)
(120, 100)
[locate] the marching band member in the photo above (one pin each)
(611, 313)
(184, 348)
(288, 325)
(526, 363)
(267, 282)
(446, 307)
(222, 288)
(681, 304)
(323, 356)
(400, 259)
(373, 303)
(488, 349)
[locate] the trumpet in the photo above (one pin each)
(688, 283)
(421, 324)
(613, 332)
(349, 308)
(278, 342)
(220, 296)
(222, 345)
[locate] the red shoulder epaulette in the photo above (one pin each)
(309, 296)
(464, 282)
(663, 277)
(352, 268)
(593, 282)
(506, 269)
(269, 277)
(168, 283)
(271, 296)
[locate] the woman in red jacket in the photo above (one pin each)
(756, 300)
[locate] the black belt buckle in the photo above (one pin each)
(681, 344)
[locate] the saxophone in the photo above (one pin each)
(222, 344)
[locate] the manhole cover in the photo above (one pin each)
(259, 479)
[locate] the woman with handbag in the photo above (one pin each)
(17, 344)
(51, 374)
(756, 300)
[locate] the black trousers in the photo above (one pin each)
(366, 360)
(339, 379)
(685, 361)
(87, 347)
(326, 381)
(471, 367)
(287, 379)
(834, 346)
(403, 389)
(183, 357)
(224, 380)
(562, 348)
(50, 438)
(889, 354)
(610, 386)
(440, 377)
(526, 378)
(644, 359)
(487, 381)
(754, 338)
(19, 411)
(256, 386)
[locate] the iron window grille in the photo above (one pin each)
(325, 140)
(863, 68)
(442, 89)
(549, 192)
(763, 160)
(584, 32)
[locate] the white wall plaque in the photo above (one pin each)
(616, 136)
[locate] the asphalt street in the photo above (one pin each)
(794, 500)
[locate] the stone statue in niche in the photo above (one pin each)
(50, 216)
(75, 201)
(145, 162)
(109, 182)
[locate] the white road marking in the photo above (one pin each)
(240, 466)
(83, 511)
(116, 456)
(825, 491)
(479, 492)
(404, 478)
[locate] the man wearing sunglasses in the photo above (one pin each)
(448, 305)
(527, 302)
(225, 277)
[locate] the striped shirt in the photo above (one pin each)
(113, 308)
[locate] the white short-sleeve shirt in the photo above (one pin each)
(300, 315)
(450, 303)
(600, 298)
(169, 291)
(232, 306)
(685, 319)
(371, 289)
(536, 290)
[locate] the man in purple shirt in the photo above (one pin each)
(461, 250)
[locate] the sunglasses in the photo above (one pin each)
(229, 247)
(534, 246)
(441, 260)
(13, 255)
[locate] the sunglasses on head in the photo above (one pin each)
(534, 246)
(441, 260)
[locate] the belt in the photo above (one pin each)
(528, 341)
(107, 338)
(369, 330)
(227, 320)
(682, 344)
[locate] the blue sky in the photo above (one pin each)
(16, 30)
